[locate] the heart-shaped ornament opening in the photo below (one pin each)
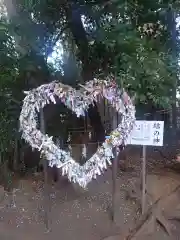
(78, 101)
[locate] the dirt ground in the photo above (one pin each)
(86, 215)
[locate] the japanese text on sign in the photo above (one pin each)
(148, 133)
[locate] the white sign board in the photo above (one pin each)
(149, 133)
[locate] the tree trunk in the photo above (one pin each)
(81, 40)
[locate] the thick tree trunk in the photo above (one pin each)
(96, 123)
(93, 113)
(79, 35)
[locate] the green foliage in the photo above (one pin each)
(131, 39)
(140, 67)
(8, 77)
(138, 41)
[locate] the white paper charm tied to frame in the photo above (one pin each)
(78, 101)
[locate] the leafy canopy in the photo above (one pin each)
(130, 39)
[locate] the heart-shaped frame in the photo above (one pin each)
(78, 101)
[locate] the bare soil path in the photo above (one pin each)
(86, 215)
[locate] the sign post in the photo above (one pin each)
(144, 179)
(146, 133)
